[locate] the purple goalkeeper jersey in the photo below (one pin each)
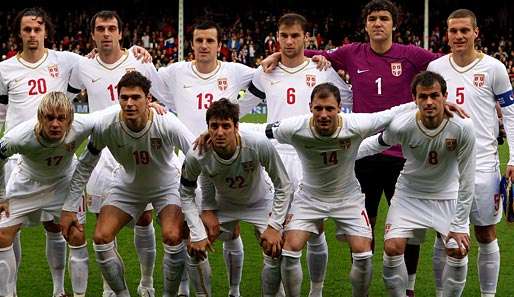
(379, 82)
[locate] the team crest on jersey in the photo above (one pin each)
(479, 80)
(387, 228)
(53, 70)
(156, 143)
(222, 84)
(451, 144)
(70, 147)
(310, 80)
(345, 143)
(248, 166)
(396, 69)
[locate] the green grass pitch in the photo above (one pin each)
(35, 280)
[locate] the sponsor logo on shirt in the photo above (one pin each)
(95, 79)
(451, 144)
(156, 143)
(310, 80)
(222, 84)
(53, 70)
(479, 80)
(396, 69)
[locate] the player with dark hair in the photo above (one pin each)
(477, 82)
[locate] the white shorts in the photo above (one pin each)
(486, 208)
(135, 205)
(9, 167)
(293, 166)
(256, 216)
(31, 202)
(100, 181)
(349, 214)
(410, 217)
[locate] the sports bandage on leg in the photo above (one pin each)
(270, 276)
(488, 266)
(200, 274)
(174, 262)
(291, 271)
(317, 259)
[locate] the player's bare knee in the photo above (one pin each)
(485, 234)
(6, 238)
(102, 237)
(172, 236)
(394, 247)
(457, 253)
(52, 227)
(293, 243)
(145, 219)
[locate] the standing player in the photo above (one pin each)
(99, 77)
(286, 90)
(38, 185)
(24, 80)
(435, 188)
(327, 142)
(380, 72)
(476, 82)
(143, 144)
(194, 86)
(235, 189)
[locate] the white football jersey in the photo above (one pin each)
(41, 160)
(146, 156)
(235, 184)
(477, 88)
(101, 79)
(287, 91)
(25, 83)
(328, 162)
(192, 93)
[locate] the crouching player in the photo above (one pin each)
(38, 186)
(435, 188)
(234, 189)
(143, 143)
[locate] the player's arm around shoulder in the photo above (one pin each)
(179, 135)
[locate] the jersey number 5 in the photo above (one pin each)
(459, 93)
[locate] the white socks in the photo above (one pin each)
(454, 276)
(360, 275)
(173, 266)
(291, 271)
(395, 275)
(317, 258)
(270, 276)
(78, 267)
(233, 254)
(488, 266)
(438, 262)
(144, 241)
(7, 271)
(111, 267)
(56, 256)
(200, 275)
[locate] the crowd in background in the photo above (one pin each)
(251, 35)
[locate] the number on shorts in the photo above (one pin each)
(365, 215)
